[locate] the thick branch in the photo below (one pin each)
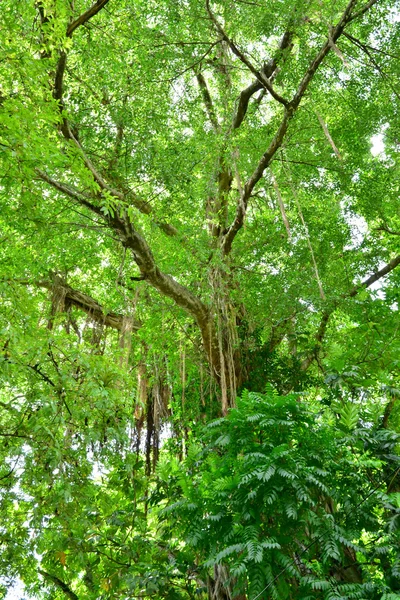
(84, 18)
(250, 184)
(334, 35)
(388, 410)
(143, 256)
(58, 80)
(60, 584)
(86, 303)
(244, 100)
(62, 61)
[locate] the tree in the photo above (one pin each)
(190, 207)
(280, 505)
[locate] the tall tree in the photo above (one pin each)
(223, 150)
(196, 198)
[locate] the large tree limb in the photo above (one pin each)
(289, 111)
(60, 584)
(150, 272)
(242, 204)
(142, 253)
(351, 294)
(86, 303)
(244, 100)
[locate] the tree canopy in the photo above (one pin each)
(200, 203)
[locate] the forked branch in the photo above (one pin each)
(289, 111)
(260, 76)
(268, 71)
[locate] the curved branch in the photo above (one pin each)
(268, 71)
(84, 18)
(353, 292)
(260, 76)
(144, 258)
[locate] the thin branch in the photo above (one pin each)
(353, 292)
(387, 229)
(268, 70)
(192, 66)
(329, 137)
(318, 341)
(78, 197)
(316, 271)
(375, 277)
(38, 371)
(334, 34)
(364, 48)
(68, 191)
(281, 206)
(362, 10)
(128, 197)
(11, 471)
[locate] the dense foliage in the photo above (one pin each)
(199, 198)
(292, 498)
